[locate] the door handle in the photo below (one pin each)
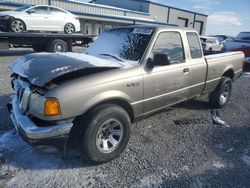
(186, 70)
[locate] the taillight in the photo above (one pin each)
(77, 18)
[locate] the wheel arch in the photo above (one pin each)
(229, 73)
(77, 129)
(123, 103)
(18, 18)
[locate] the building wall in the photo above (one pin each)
(158, 13)
(177, 17)
(93, 15)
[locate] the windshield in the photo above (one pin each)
(122, 43)
(22, 8)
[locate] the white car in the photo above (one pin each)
(39, 18)
(210, 44)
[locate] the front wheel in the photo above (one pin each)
(106, 133)
(17, 25)
(221, 95)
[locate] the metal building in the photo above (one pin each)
(99, 15)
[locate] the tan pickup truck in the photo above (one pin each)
(127, 73)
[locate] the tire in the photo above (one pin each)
(17, 25)
(69, 28)
(100, 144)
(221, 95)
(57, 45)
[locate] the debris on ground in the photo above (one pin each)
(218, 118)
(230, 150)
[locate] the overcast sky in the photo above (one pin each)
(225, 16)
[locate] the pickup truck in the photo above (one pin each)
(126, 74)
(240, 43)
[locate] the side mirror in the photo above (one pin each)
(150, 63)
(161, 59)
(31, 11)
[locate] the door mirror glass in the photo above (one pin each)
(150, 63)
(161, 59)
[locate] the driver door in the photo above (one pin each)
(37, 18)
(167, 82)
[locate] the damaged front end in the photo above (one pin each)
(33, 130)
(37, 118)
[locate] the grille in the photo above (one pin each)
(24, 98)
(23, 92)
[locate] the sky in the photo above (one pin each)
(224, 16)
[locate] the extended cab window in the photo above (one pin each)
(169, 44)
(194, 45)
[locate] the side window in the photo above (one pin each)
(194, 45)
(168, 44)
(41, 10)
(56, 11)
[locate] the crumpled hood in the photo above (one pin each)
(41, 68)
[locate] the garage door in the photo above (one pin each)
(198, 26)
(182, 22)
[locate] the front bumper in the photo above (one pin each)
(52, 135)
(4, 24)
(247, 60)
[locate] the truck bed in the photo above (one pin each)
(222, 62)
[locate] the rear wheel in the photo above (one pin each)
(69, 28)
(17, 25)
(221, 95)
(106, 133)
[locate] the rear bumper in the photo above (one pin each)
(53, 135)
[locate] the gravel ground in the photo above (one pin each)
(179, 147)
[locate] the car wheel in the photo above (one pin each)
(221, 95)
(69, 28)
(106, 133)
(17, 25)
(57, 45)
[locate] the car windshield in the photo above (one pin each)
(22, 8)
(122, 43)
(243, 36)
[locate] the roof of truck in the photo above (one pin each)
(155, 26)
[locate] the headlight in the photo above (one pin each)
(44, 106)
(36, 104)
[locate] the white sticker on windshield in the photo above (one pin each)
(143, 31)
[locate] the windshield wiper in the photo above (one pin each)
(114, 56)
